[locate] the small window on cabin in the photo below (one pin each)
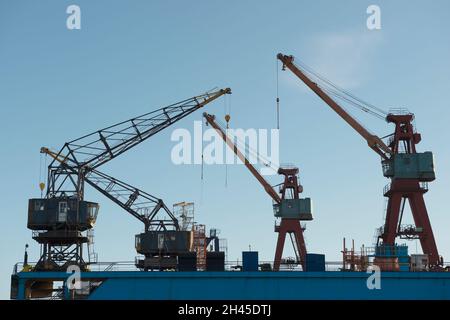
(73, 205)
(39, 206)
(92, 210)
(63, 207)
(62, 212)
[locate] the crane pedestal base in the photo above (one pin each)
(400, 191)
(291, 227)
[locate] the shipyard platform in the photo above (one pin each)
(238, 285)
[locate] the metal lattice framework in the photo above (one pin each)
(97, 148)
(138, 203)
(78, 159)
(77, 163)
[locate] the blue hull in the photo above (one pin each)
(254, 285)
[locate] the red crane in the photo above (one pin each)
(409, 170)
(287, 205)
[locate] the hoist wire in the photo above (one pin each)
(365, 106)
(309, 70)
(278, 95)
(227, 112)
(40, 168)
(243, 144)
(349, 94)
(201, 168)
(251, 152)
(354, 117)
(352, 103)
(247, 149)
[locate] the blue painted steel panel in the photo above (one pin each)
(410, 166)
(397, 251)
(391, 251)
(315, 262)
(249, 260)
(257, 285)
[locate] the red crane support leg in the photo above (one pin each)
(289, 226)
(421, 219)
(412, 190)
(280, 245)
(301, 247)
(392, 215)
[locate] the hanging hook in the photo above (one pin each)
(227, 119)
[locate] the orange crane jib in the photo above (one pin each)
(267, 187)
(373, 141)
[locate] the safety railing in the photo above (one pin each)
(399, 111)
(287, 165)
(230, 266)
(423, 186)
(99, 266)
(386, 188)
(114, 266)
(36, 233)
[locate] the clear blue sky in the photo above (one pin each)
(132, 57)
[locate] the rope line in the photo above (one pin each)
(333, 89)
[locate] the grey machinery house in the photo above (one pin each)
(410, 166)
(165, 249)
(57, 224)
(300, 209)
(61, 213)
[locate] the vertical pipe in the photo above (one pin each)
(21, 289)
(344, 251)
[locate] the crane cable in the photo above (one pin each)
(227, 119)
(349, 94)
(278, 96)
(40, 172)
(338, 92)
(265, 161)
(326, 82)
(41, 183)
(243, 145)
(201, 168)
